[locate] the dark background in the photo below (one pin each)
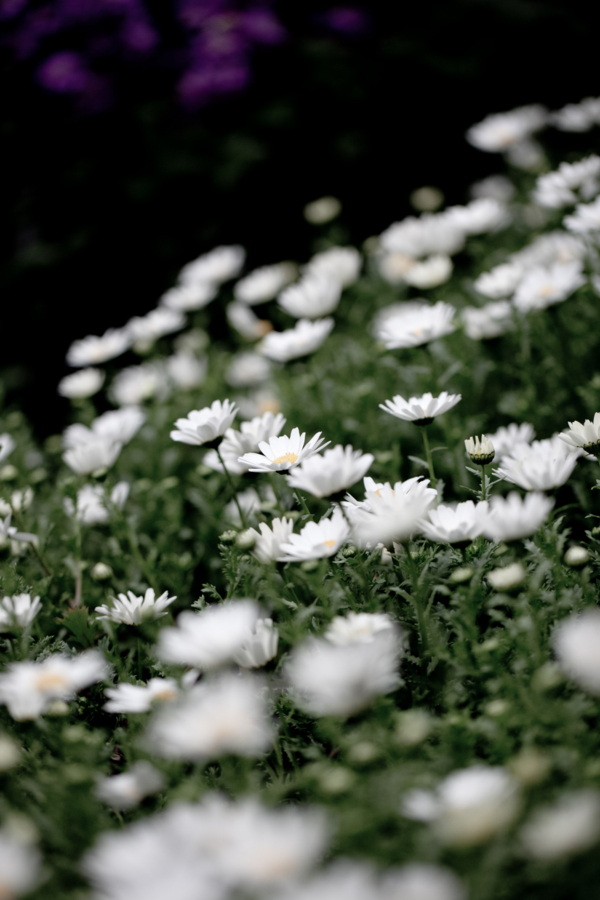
(100, 210)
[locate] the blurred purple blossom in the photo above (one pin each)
(347, 20)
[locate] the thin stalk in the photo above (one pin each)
(231, 484)
(302, 503)
(414, 594)
(276, 492)
(429, 457)
(483, 484)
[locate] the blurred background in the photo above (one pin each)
(137, 134)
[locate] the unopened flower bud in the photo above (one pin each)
(8, 473)
(101, 571)
(228, 537)
(576, 556)
(463, 573)
(508, 577)
(481, 451)
(246, 539)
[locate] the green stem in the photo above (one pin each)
(483, 485)
(429, 457)
(302, 503)
(414, 593)
(231, 484)
(274, 477)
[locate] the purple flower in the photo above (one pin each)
(198, 85)
(64, 73)
(346, 19)
(261, 25)
(11, 8)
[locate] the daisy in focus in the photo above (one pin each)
(317, 540)
(204, 425)
(420, 410)
(280, 454)
(127, 609)
(336, 470)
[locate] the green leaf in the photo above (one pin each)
(77, 621)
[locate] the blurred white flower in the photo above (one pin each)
(336, 470)
(115, 425)
(501, 281)
(28, 688)
(584, 437)
(137, 698)
(247, 368)
(313, 296)
(209, 638)
(417, 325)
(92, 350)
(429, 272)
(489, 321)
(428, 235)
(249, 501)
(135, 384)
(186, 371)
(264, 284)
(389, 514)
(246, 440)
(215, 267)
(496, 187)
(507, 577)
(146, 330)
(240, 316)
(330, 680)
(126, 790)
(585, 219)
(203, 425)
(267, 546)
(544, 286)
(259, 647)
(511, 518)
(541, 466)
(342, 264)
(499, 132)
(577, 117)
(282, 453)
(475, 804)
(422, 881)
(91, 507)
(20, 865)
(317, 540)
(571, 825)
(577, 645)
(508, 437)
(305, 337)
(188, 297)
(82, 384)
(21, 499)
(7, 445)
(323, 210)
(343, 879)
(129, 609)
(480, 450)
(357, 628)
(557, 189)
(9, 532)
(485, 214)
(420, 410)
(19, 610)
(454, 524)
(225, 714)
(93, 456)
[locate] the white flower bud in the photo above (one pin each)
(481, 451)
(576, 556)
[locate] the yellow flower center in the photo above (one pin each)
(165, 694)
(546, 290)
(329, 543)
(49, 681)
(290, 457)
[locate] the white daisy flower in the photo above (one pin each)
(225, 714)
(267, 543)
(357, 628)
(577, 646)
(577, 117)
(93, 456)
(501, 281)
(311, 297)
(91, 507)
(508, 437)
(389, 514)
(544, 286)
(454, 524)
(92, 350)
(243, 320)
(317, 540)
(420, 410)
(428, 235)
(584, 437)
(146, 330)
(135, 384)
(417, 326)
(128, 609)
(28, 688)
(215, 267)
(330, 680)
(497, 187)
(247, 368)
(138, 698)
(264, 284)
(115, 425)
(203, 425)
(343, 878)
(480, 451)
(280, 454)
(423, 881)
(541, 466)
(7, 445)
(585, 219)
(322, 210)
(259, 647)
(429, 272)
(246, 440)
(128, 789)
(557, 189)
(209, 638)
(511, 518)
(336, 470)
(489, 321)
(342, 264)
(507, 577)
(20, 865)
(485, 214)
(416, 487)
(19, 610)
(305, 337)
(570, 825)
(188, 297)
(82, 384)
(186, 371)
(499, 132)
